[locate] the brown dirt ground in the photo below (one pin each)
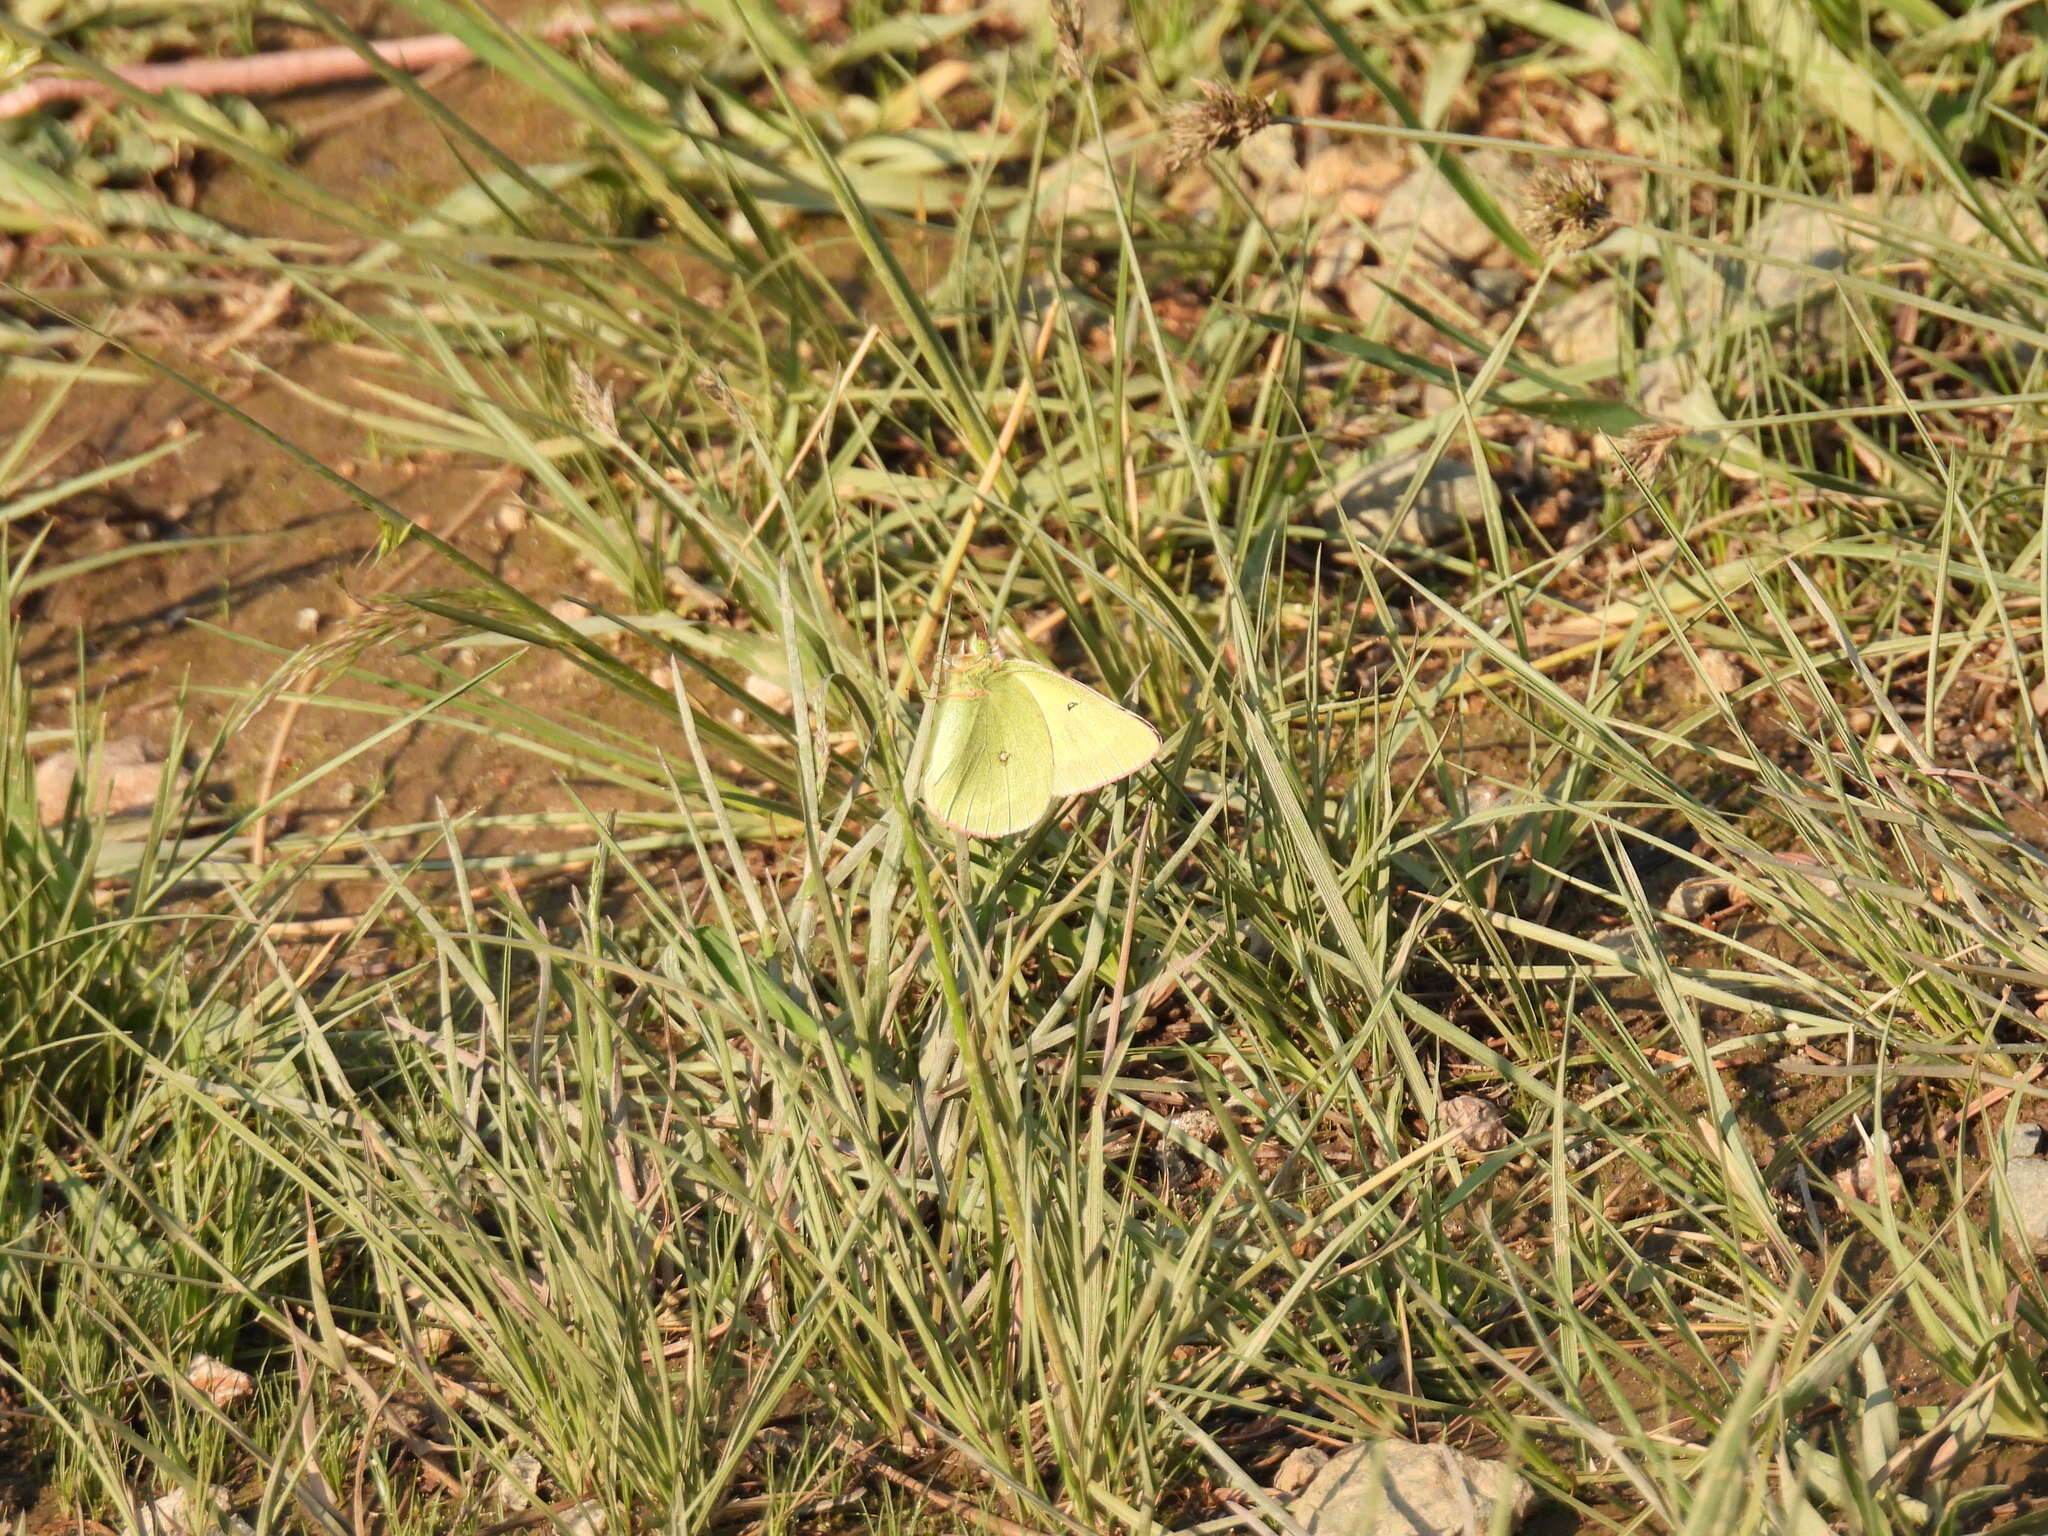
(185, 630)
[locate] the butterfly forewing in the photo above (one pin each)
(989, 772)
(1094, 741)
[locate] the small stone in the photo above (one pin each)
(219, 1380)
(1477, 1123)
(1702, 896)
(510, 518)
(568, 610)
(307, 621)
(122, 779)
(585, 1519)
(2026, 1175)
(1859, 1181)
(1397, 1488)
(1299, 1469)
(1585, 328)
(436, 1341)
(1427, 217)
(173, 1515)
(770, 693)
(1270, 157)
(1720, 670)
(1859, 721)
(1448, 502)
(1498, 286)
(518, 1486)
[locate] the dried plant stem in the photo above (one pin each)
(273, 74)
(949, 572)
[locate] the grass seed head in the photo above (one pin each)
(593, 403)
(1069, 41)
(1642, 450)
(1565, 208)
(1223, 119)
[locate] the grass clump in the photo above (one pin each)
(726, 1145)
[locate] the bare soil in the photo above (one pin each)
(192, 632)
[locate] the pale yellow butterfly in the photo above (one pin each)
(1010, 737)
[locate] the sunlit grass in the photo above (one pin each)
(782, 1134)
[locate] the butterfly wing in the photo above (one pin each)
(989, 772)
(1095, 741)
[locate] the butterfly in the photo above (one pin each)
(1010, 738)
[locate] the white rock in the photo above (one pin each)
(1299, 1469)
(122, 779)
(770, 691)
(219, 1380)
(1396, 1488)
(1425, 217)
(1721, 671)
(1269, 155)
(1477, 1122)
(516, 1486)
(1585, 328)
(173, 1515)
(2026, 1174)
(1449, 501)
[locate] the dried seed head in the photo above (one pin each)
(1643, 449)
(719, 393)
(1223, 119)
(1564, 208)
(1069, 41)
(594, 404)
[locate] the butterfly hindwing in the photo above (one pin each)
(1095, 741)
(989, 772)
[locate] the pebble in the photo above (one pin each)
(769, 692)
(307, 621)
(172, 1515)
(1397, 1488)
(1450, 500)
(1721, 671)
(1299, 1469)
(2026, 1175)
(219, 1381)
(1478, 1123)
(123, 780)
(517, 1486)
(1427, 217)
(1584, 328)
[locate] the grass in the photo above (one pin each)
(773, 1158)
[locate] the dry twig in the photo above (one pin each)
(274, 74)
